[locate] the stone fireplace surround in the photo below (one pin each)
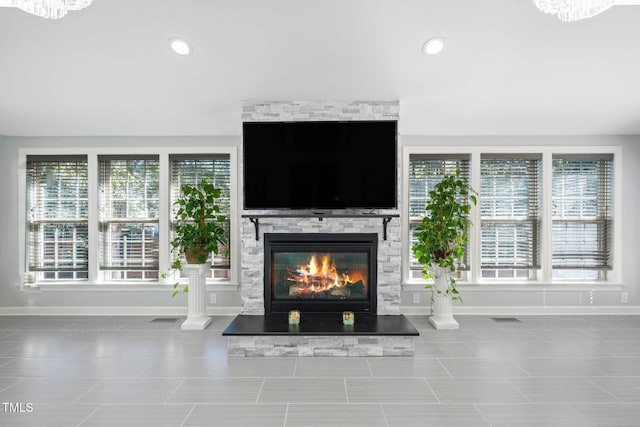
(389, 262)
(388, 253)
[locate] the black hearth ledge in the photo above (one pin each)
(321, 324)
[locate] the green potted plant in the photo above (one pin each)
(441, 243)
(198, 234)
(198, 229)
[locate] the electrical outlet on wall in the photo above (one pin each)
(624, 297)
(213, 298)
(416, 298)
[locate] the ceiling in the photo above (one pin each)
(507, 69)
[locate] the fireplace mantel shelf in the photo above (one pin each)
(255, 219)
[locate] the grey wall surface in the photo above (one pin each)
(10, 296)
(546, 296)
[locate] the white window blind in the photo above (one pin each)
(216, 169)
(510, 194)
(582, 216)
(425, 171)
(129, 217)
(57, 217)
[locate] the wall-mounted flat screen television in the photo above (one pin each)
(320, 165)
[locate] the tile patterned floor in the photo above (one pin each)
(556, 371)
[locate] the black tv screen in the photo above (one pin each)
(320, 165)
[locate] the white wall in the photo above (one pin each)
(493, 300)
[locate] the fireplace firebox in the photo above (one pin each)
(320, 272)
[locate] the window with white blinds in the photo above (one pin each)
(129, 217)
(582, 216)
(57, 217)
(425, 171)
(216, 169)
(510, 209)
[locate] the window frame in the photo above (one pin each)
(533, 216)
(603, 271)
(461, 271)
(41, 222)
(95, 279)
(174, 194)
(108, 219)
(544, 276)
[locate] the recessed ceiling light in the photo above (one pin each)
(433, 46)
(179, 46)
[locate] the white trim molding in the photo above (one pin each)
(529, 310)
(96, 282)
(111, 311)
(544, 276)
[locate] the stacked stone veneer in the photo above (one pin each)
(357, 346)
(389, 263)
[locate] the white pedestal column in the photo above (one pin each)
(442, 304)
(197, 318)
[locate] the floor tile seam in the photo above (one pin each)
(175, 389)
(559, 357)
(480, 378)
(572, 377)
(615, 377)
(108, 404)
(13, 332)
(83, 348)
(218, 372)
(515, 404)
(475, 406)
(146, 368)
(636, 356)
(368, 360)
(100, 381)
(510, 359)
(89, 416)
(593, 333)
(18, 380)
(286, 415)
(445, 368)
(264, 380)
(407, 377)
(340, 404)
(592, 365)
(604, 404)
(618, 400)
(329, 376)
(11, 359)
(509, 381)
(431, 390)
(348, 377)
(193, 407)
(557, 377)
(384, 415)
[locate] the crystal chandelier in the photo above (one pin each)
(50, 9)
(573, 10)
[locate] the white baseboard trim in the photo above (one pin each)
(232, 311)
(111, 311)
(529, 311)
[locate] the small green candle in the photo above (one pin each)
(294, 317)
(348, 317)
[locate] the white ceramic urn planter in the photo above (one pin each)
(442, 317)
(197, 318)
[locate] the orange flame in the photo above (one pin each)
(323, 276)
